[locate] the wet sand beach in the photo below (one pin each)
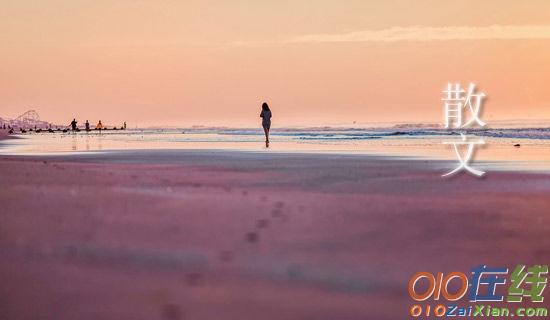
(176, 234)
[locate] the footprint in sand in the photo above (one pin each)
(277, 211)
(284, 217)
(193, 279)
(226, 256)
(262, 223)
(172, 312)
(252, 237)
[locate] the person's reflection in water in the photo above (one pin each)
(87, 141)
(99, 140)
(266, 122)
(74, 144)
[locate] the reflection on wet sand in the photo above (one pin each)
(500, 153)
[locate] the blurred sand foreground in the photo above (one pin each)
(234, 235)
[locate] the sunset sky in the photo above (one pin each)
(155, 62)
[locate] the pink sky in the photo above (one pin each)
(213, 62)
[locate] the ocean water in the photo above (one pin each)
(525, 147)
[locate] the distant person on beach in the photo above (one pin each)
(99, 125)
(73, 124)
(87, 125)
(124, 125)
(266, 122)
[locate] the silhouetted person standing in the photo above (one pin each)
(266, 122)
(73, 124)
(87, 125)
(99, 126)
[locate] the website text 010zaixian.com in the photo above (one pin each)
(523, 285)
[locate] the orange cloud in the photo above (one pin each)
(420, 33)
